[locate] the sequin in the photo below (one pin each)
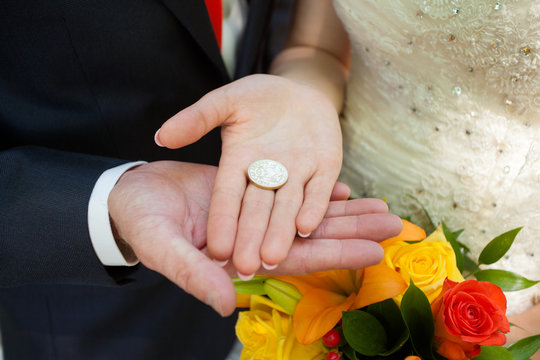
(457, 90)
(419, 14)
(470, 69)
(506, 169)
(494, 45)
(509, 105)
(498, 5)
(525, 51)
(451, 37)
(455, 11)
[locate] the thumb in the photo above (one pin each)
(170, 254)
(195, 121)
(341, 191)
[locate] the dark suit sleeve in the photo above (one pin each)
(44, 236)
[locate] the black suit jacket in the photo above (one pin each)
(84, 84)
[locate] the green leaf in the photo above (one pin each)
(250, 287)
(417, 315)
(506, 280)
(456, 234)
(469, 264)
(498, 247)
(364, 333)
(432, 225)
(349, 352)
(389, 315)
(449, 235)
(525, 348)
(494, 352)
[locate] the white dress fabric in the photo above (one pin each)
(443, 109)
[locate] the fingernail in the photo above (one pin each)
(246, 277)
(304, 235)
(221, 263)
(214, 300)
(156, 139)
(269, 267)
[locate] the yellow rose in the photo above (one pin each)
(427, 263)
(267, 334)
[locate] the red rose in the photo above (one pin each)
(467, 315)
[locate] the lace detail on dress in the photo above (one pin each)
(443, 108)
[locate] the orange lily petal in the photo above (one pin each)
(380, 283)
(317, 312)
(410, 232)
(339, 281)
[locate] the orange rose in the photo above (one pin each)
(467, 315)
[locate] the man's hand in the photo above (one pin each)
(161, 210)
(263, 117)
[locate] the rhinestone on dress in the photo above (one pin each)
(419, 14)
(506, 169)
(470, 69)
(494, 45)
(498, 5)
(509, 105)
(455, 11)
(457, 90)
(451, 37)
(525, 51)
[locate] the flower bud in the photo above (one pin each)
(282, 293)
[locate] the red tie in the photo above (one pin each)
(216, 17)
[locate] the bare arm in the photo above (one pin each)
(317, 50)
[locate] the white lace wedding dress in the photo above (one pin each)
(443, 106)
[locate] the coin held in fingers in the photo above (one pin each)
(268, 174)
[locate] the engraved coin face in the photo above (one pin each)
(268, 174)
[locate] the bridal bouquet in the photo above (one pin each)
(418, 303)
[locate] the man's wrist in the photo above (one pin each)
(110, 251)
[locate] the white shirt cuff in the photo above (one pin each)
(99, 224)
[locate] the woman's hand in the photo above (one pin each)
(263, 117)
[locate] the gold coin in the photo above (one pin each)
(267, 174)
